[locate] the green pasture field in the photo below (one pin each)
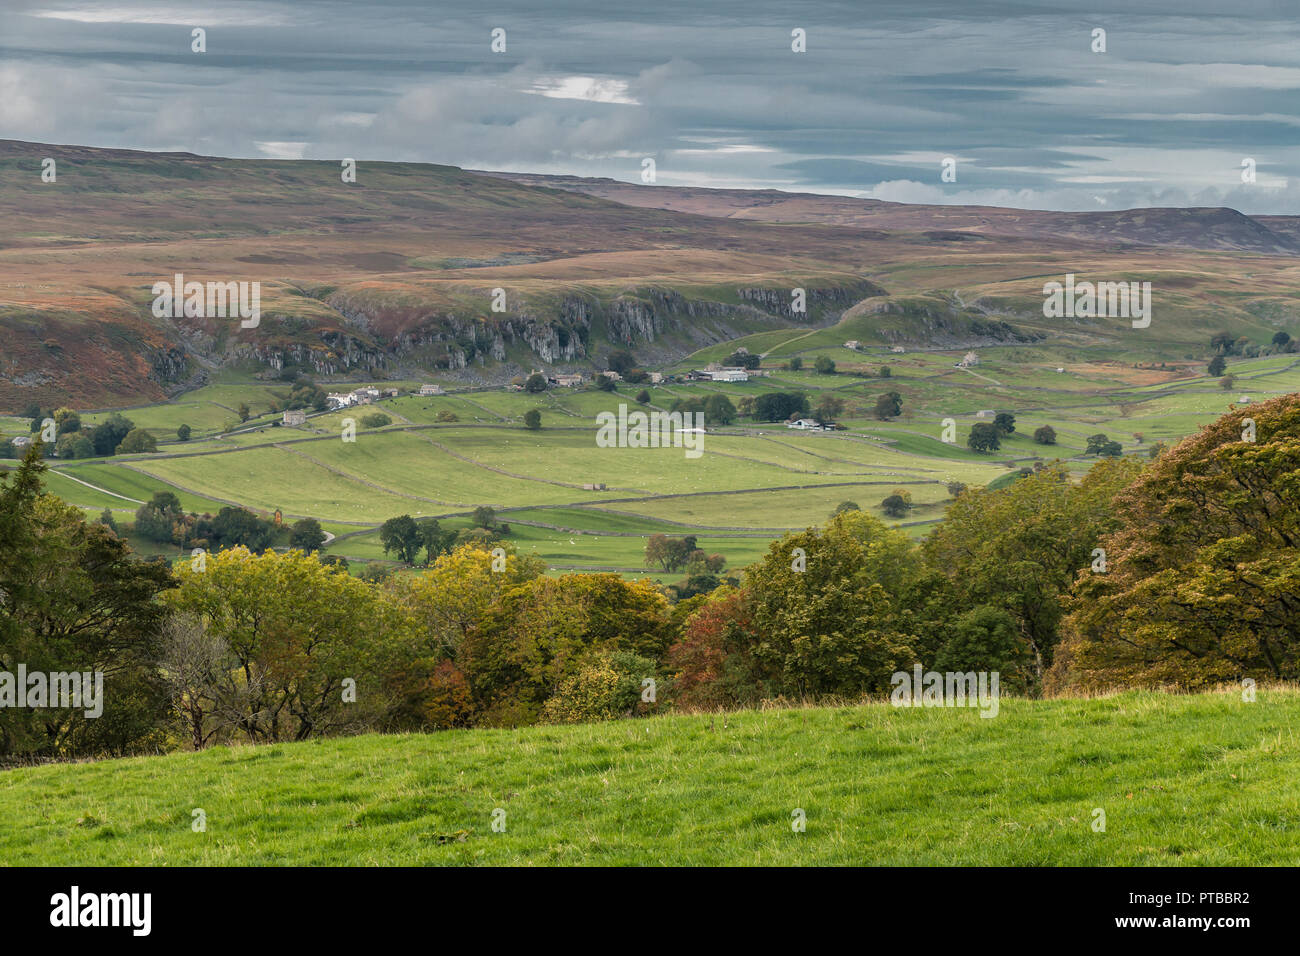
(419, 467)
(1192, 780)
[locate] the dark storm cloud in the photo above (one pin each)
(711, 90)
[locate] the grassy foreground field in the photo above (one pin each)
(1205, 779)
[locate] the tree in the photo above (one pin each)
(621, 361)
(66, 421)
(107, 520)
(898, 504)
(137, 440)
(889, 405)
(1045, 435)
(539, 634)
(886, 371)
(718, 410)
(780, 406)
(824, 365)
(984, 437)
(743, 359)
(795, 363)
(238, 528)
(243, 412)
(535, 383)
(454, 594)
(828, 408)
(986, 639)
(1227, 382)
(838, 626)
(294, 631)
(1004, 422)
(955, 488)
(605, 384)
(183, 433)
(156, 519)
(643, 397)
(671, 554)
(1019, 548)
(532, 419)
(435, 538)
(74, 445)
(1281, 339)
(307, 394)
(1201, 586)
(76, 600)
(110, 433)
(485, 517)
(401, 536)
(1099, 444)
(306, 535)
(1216, 366)
(376, 420)
(844, 506)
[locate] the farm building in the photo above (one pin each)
(295, 416)
(970, 360)
(572, 380)
(730, 375)
(432, 390)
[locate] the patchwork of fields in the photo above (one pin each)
(752, 482)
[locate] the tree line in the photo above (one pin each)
(1182, 570)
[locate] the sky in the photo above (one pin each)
(713, 92)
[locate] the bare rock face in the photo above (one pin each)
(662, 323)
